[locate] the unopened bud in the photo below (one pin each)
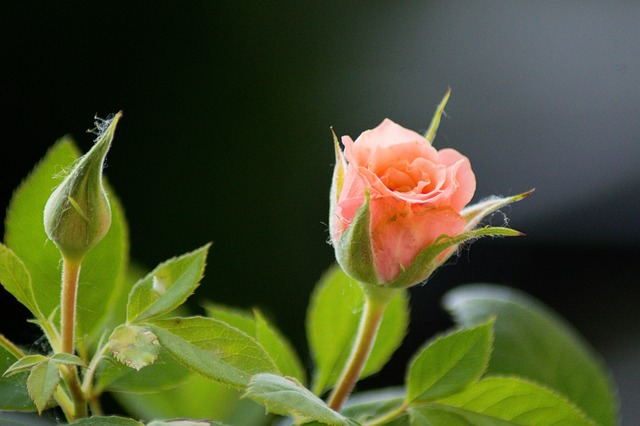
(77, 215)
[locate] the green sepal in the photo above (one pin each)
(430, 134)
(429, 259)
(354, 252)
(474, 213)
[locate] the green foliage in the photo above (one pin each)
(534, 343)
(166, 287)
(498, 400)
(15, 278)
(449, 364)
(42, 383)
(107, 421)
(285, 396)
(332, 324)
(100, 283)
(13, 387)
(255, 325)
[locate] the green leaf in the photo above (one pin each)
(213, 349)
(285, 396)
(107, 421)
(332, 324)
(100, 284)
(449, 364)
(533, 342)
(134, 346)
(167, 286)
(196, 398)
(183, 422)
(450, 416)
(15, 278)
(238, 318)
(365, 407)
(25, 363)
(516, 401)
(68, 359)
(13, 390)
(42, 383)
(279, 349)
(255, 325)
(164, 373)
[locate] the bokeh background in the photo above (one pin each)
(225, 138)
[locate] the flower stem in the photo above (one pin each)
(369, 324)
(70, 275)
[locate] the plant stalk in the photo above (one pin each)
(68, 300)
(369, 324)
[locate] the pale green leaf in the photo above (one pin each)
(366, 406)
(25, 363)
(238, 318)
(332, 324)
(533, 342)
(13, 390)
(516, 401)
(272, 341)
(107, 421)
(213, 349)
(449, 364)
(166, 287)
(100, 285)
(67, 359)
(134, 346)
(285, 396)
(42, 383)
(15, 278)
(182, 422)
(279, 349)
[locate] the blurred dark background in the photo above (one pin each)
(225, 138)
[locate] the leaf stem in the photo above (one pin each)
(369, 324)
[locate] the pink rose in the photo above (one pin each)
(416, 194)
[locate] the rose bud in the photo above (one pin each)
(397, 205)
(77, 215)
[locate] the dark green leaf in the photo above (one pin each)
(13, 390)
(42, 383)
(535, 343)
(449, 364)
(196, 398)
(167, 286)
(332, 324)
(287, 397)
